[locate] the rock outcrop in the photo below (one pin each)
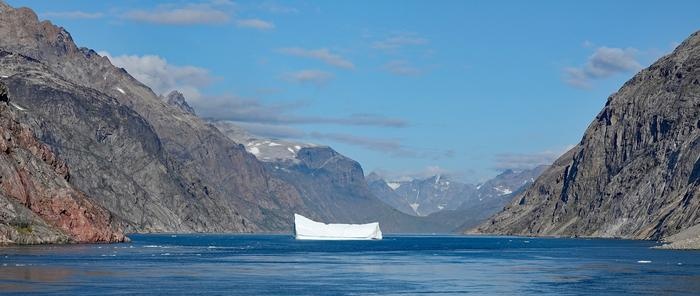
(177, 99)
(635, 173)
(154, 166)
(37, 203)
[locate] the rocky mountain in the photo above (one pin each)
(37, 203)
(422, 197)
(177, 100)
(154, 164)
(636, 171)
(451, 204)
(331, 186)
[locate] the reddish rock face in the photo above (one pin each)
(32, 174)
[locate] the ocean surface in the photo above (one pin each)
(398, 265)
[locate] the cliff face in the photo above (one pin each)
(635, 173)
(37, 204)
(156, 166)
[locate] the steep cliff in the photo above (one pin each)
(635, 173)
(37, 204)
(153, 164)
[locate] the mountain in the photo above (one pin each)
(153, 163)
(330, 185)
(155, 167)
(422, 197)
(451, 204)
(636, 171)
(37, 203)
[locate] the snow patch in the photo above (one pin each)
(414, 206)
(393, 185)
(4, 76)
(297, 147)
(120, 90)
(503, 191)
(273, 144)
(18, 107)
(254, 150)
(290, 149)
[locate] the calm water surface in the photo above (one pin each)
(397, 265)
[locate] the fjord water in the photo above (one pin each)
(397, 265)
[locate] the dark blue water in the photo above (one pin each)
(397, 265)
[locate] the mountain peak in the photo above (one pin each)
(177, 99)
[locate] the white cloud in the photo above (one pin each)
(315, 77)
(321, 54)
(399, 41)
(255, 24)
(603, 63)
(401, 67)
(77, 14)
(277, 8)
(520, 161)
(213, 12)
(155, 72)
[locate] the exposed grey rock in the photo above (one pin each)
(422, 197)
(177, 99)
(157, 168)
(321, 183)
(635, 173)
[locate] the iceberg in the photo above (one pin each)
(307, 229)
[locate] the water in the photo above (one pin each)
(397, 265)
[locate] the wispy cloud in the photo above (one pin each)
(212, 12)
(393, 147)
(161, 76)
(314, 77)
(257, 24)
(521, 161)
(321, 54)
(272, 130)
(603, 63)
(76, 14)
(251, 110)
(389, 146)
(276, 8)
(401, 67)
(399, 41)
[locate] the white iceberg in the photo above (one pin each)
(307, 229)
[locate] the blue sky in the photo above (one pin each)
(406, 88)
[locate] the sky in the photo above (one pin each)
(407, 88)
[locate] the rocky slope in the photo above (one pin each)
(330, 186)
(149, 159)
(635, 173)
(155, 165)
(37, 203)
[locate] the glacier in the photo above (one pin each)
(307, 229)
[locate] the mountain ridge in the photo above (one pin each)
(635, 172)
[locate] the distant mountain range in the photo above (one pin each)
(450, 203)
(636, 171)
